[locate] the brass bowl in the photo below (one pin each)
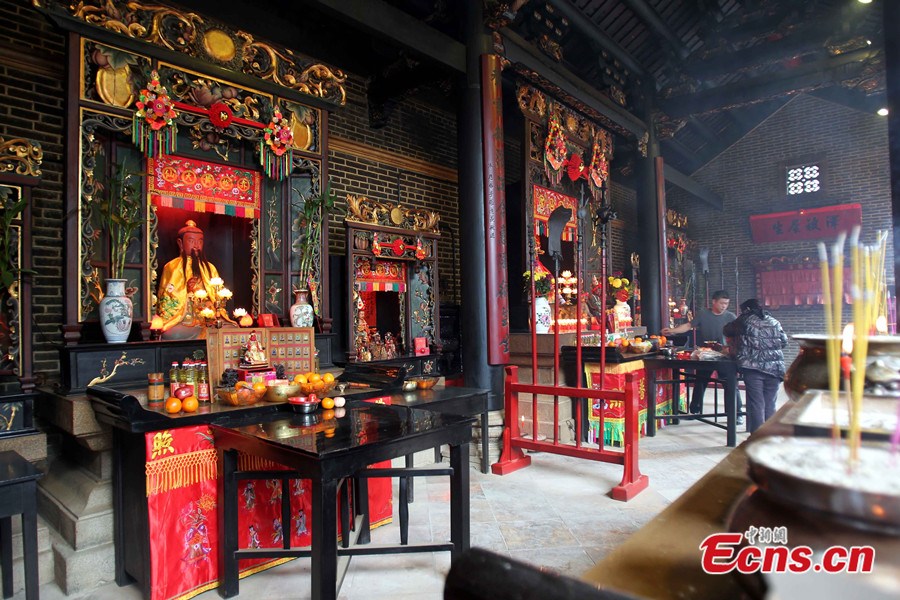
(426, 383)
(243, 396)
(810, 369)
(282, 391)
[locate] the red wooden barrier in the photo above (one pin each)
(512, 457)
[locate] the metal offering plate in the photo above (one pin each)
(814, 413)
(814, 473)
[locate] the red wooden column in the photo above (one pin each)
(494, 210)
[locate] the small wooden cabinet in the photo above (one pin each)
(393, 280)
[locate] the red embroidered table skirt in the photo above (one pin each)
(614, 410)
(182, 501)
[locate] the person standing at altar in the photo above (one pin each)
(709, 324)
(759, 343)
(183, 276)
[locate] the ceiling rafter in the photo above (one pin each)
(764, 87)
(649, 16)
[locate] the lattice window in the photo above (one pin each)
(803, 179)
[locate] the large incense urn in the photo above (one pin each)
(810, 369)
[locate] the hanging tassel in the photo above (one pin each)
(153, 127)
(276, 154)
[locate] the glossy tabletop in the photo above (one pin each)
(327, 451)
(726, 371)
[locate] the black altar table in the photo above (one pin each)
(726, 372)
(365, 435)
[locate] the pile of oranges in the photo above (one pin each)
(314, 382)
(188, 405)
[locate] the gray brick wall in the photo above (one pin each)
(414, 130)
(853, 149)
(32, 100)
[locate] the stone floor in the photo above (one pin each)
(555, 513)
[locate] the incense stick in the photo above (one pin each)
(832, 357)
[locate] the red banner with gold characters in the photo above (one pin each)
(545, 202)
(201, 186)
(805, 224)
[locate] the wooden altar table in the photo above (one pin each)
(365, 435)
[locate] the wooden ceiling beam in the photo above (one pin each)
(687, 157)
(646, 13)
(578, 19)
(382, 19)
(757, 89)
(693, 187)
(520, 51)
(759, 55)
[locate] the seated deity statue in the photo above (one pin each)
(254, 355)
(181, 278)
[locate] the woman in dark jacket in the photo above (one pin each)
(759, 341)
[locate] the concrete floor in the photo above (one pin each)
(555, 514)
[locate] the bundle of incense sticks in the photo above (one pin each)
(867, 265)
(868, 295)
(833, 298)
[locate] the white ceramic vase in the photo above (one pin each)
(542, 314)
(302, 311)
(116, 312)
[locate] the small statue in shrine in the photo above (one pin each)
(362, 347)
(594, 302)
(621, 312)
(377, 347)
(254, 355)
(390, 346)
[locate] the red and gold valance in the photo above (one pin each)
(201, 186)
(545, 202)
(383, 276)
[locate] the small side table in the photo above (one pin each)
(18, 495)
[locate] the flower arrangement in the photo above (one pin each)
(542, 283)
(620, 287)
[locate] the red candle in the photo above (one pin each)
(846, 361)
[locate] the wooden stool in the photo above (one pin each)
(18, 495)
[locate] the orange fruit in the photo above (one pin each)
(328, 378)
(327, 415)
(314, 378)
(173, 405)
(301, 379)
(242, 384)
(327, 403)
(190, 404)
(259, 387)
(318, 386)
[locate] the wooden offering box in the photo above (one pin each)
(293, 347)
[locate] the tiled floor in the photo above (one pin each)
(555, 513)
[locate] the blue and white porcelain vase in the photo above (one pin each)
(116, 312)
(302, 311)
(542, 315)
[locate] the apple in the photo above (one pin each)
(339, 401)
(184, 391)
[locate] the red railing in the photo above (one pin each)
(515, 441)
